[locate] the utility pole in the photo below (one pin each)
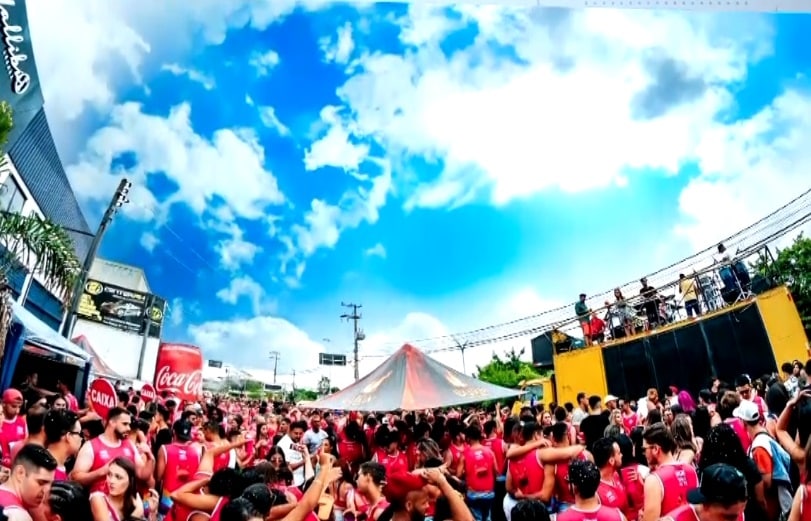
(274, 355)
(354, 316)
(148, 305)
(119, 199)
(462, 348)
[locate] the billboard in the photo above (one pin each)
(122, 308)
(331, 359)
(19, 81)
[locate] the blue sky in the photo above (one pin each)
(448, 168)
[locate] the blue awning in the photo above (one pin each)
(38, 334)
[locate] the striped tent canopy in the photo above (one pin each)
(409, 380)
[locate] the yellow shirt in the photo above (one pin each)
(687, 287)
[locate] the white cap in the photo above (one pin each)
(747, 411)
(610, 398)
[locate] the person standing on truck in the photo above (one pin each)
(581, 309)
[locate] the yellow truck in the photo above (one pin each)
(753, 336)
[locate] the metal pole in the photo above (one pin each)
(275, 356)
(357, 369)
(150, 301)
(118, 200)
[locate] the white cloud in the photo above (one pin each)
(86, 50)
(324, 222)
(176, 311)
(378, 250)
(236, 252)
(335, 148)
(264, 62)
(245, 287)
(339, 50)
(170, 146)
(271, 120)
(149, 241)
(738, 161)
(592, 79)
(247, 344)
(193, 75)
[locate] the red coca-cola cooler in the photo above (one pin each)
(179, 371)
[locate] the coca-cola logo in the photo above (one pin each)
(188, 383)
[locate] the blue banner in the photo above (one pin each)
(19, 81)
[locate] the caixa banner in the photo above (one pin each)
(19, 81)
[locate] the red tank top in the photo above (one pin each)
(480, 469)
(10, 500)
(104, 454)
(114, 516)
(634, 488)
(805, 506)
(677, 479)
(603, 513)
(350, 451)
(215, 514)
(532, 481)
(497, 446)
(12, 432)
(60, 474)
(395, 463)
(612, 494)
(456, 455)
(562, 490)
(688, 513)
(182, 461)
(740, 430)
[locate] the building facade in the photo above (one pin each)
(32, 178)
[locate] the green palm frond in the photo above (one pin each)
(40, 243)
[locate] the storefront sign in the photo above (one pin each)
(121, 308)
(19, 81)
(102, 397)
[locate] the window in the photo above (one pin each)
(12, 198)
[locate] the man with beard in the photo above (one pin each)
(410, 494)
(95, 456)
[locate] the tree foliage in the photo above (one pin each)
(508, 371)
(792, 266)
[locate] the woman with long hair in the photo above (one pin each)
(686, 446)
(120, 500)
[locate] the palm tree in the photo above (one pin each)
(30, 240)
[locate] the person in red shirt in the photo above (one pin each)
(667, 486)
(13, 429)
(584, 480)
(478, 466)
(32, 474)
(722, 495)
(608, 458)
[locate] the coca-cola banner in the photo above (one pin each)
(179, 371)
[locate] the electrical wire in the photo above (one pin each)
(752, 238)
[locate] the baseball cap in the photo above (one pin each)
(747, 411)
(182, 430)
(12, 395)
(399, 485)
(610, 398)
(720, 483)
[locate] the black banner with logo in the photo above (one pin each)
(19, 81)
(122, 308)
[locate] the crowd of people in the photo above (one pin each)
(731, 452)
